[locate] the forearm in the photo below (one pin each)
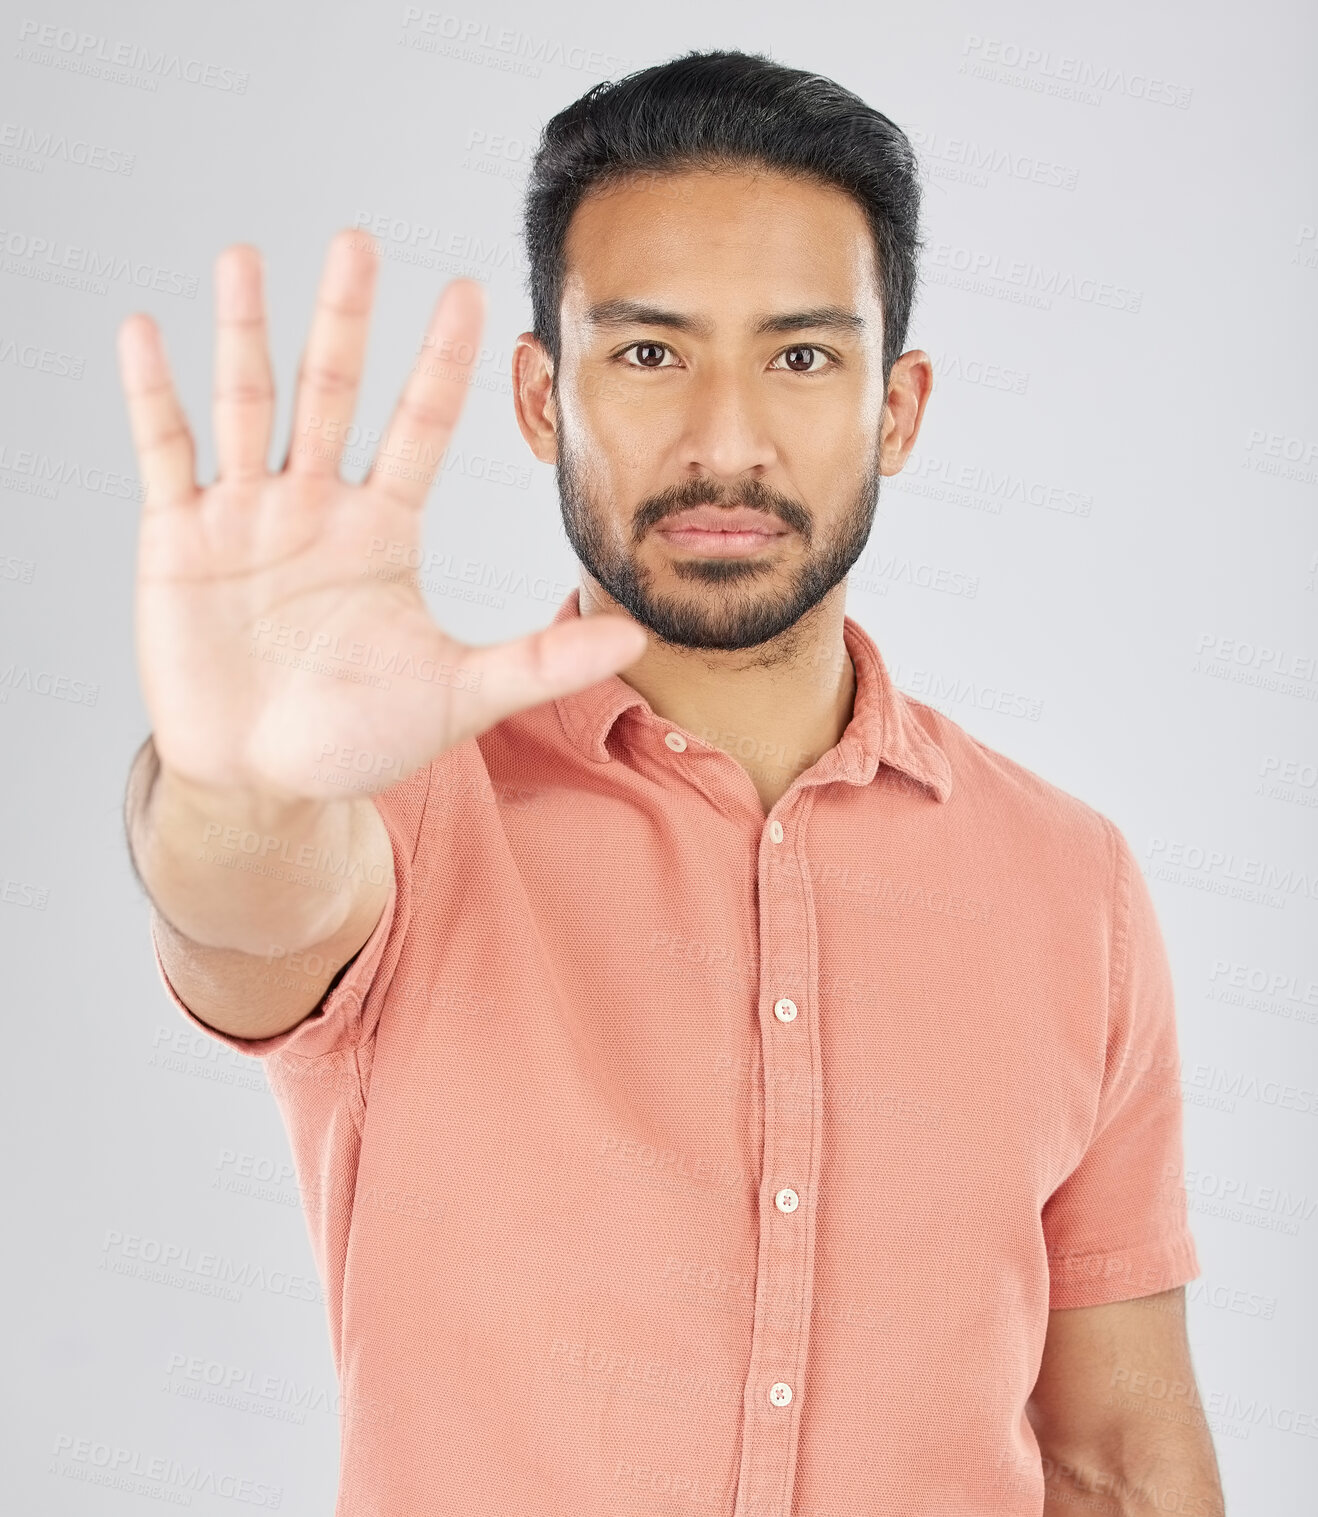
(243, 872)
(1176, 1475)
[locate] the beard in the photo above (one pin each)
(747, 612)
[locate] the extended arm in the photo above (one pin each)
(261, 597)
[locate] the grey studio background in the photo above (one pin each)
(1102, 560)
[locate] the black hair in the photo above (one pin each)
(717, 110)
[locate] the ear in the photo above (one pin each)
(533, 397)
(909, 383)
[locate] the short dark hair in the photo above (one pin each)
(717, 110)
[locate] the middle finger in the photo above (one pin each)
(331, 370)
(244, 394)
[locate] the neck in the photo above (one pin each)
(776, 708)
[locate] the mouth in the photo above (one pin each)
(720, 532)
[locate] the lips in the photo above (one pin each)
(721, 532)
(737, 519)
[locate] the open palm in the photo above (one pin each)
(284, 645)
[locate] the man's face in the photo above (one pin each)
(719, 399)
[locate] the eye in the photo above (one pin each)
(649, 355)
(801, 359)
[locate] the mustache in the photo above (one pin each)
(754, 495)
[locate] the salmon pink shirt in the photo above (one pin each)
(662, 1158)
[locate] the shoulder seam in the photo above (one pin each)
(1121, 902)
(425, 809)
(357, 1106)
(1119, 959)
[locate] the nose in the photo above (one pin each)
(726, 431)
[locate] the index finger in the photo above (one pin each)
(428, 409)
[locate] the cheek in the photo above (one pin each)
(625, 436)
(835, 416)
(822, 450)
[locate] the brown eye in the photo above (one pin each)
(800, 359)
(649, 355)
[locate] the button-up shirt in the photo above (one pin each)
(663, 1157)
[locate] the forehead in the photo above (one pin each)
(720, 242)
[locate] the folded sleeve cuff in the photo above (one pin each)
(1094, 1279)
(332, 1025)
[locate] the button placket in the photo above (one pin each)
(792, 1128)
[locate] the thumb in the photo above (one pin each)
(558, 660)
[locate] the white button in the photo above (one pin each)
(776, 830)
(787, 1199)
(785, 1010)
(780, 1393)
(676, 742)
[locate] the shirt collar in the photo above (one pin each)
(883, 729)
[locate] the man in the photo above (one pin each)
(718, 1083)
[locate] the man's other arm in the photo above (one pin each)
(1117, 1413)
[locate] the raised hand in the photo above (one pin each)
(281, 647)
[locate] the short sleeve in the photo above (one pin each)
(347, 1013)
(1117, 1227)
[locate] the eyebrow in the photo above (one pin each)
(626, 313)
